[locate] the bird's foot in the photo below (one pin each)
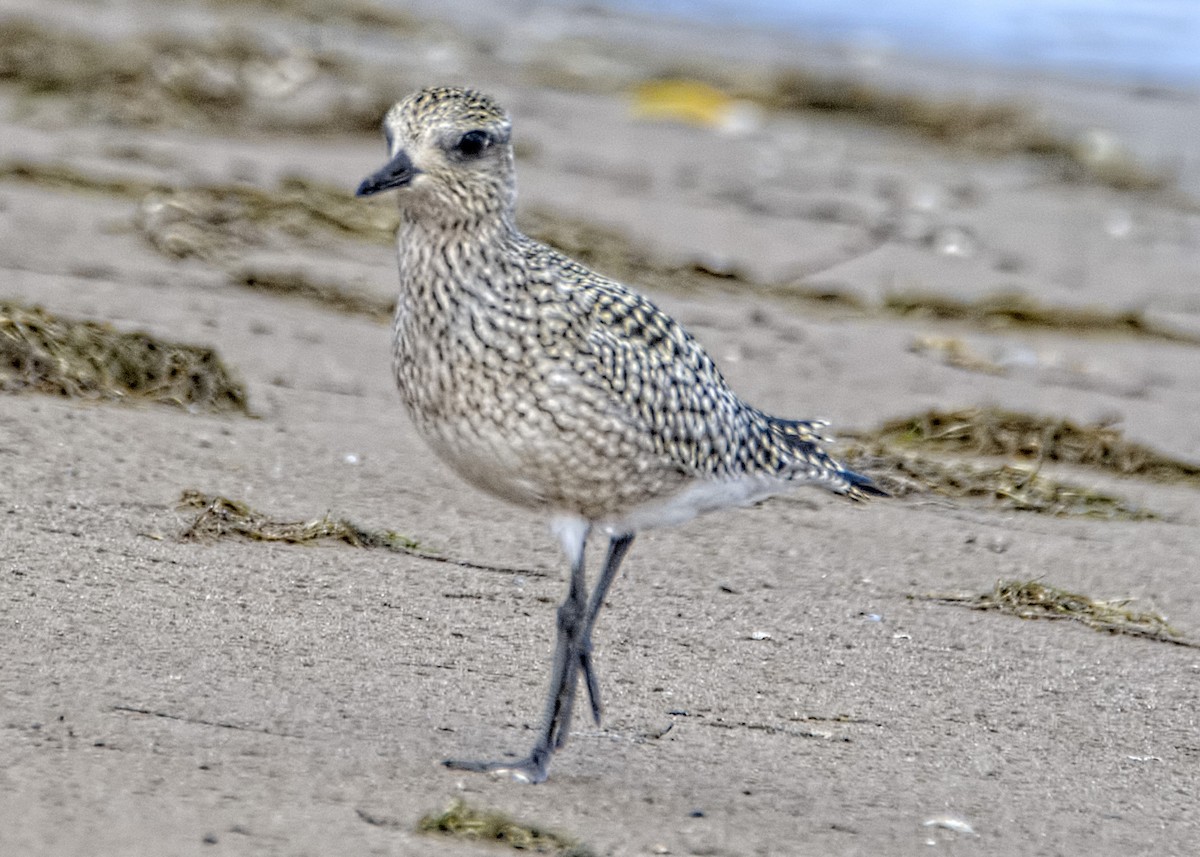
(529, 770)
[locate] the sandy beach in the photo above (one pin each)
(986, 281)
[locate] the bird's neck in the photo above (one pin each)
(447, 257)
(440, 231)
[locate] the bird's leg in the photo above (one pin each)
(564, 677)
(618, 546)
(572, 623)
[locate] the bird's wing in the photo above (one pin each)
(654, 376)
(657, 377)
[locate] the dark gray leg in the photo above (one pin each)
(564, 675)
(618, 546)
(572, 652)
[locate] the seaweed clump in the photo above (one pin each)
(40, 352)
(1013, 309)
(464, 821)
(1020, 488)
(297, 284)
(230, 78)
(219, 224)
(990, 128)
(220, 516)
(1031, 599)
(215, 224)
(926, 452)
(996, 432)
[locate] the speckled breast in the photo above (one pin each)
(521, 421)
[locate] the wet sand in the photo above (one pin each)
(776, 681)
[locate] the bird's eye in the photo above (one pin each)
(472, 144)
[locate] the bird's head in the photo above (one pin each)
(449, 155)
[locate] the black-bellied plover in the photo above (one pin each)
(557, 388)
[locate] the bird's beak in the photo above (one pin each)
(398, 172)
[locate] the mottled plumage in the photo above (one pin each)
(554, 387)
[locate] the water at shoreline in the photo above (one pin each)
(1151, 42)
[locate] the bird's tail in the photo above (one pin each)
(801, 441)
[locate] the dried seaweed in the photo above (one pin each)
(1012, 309)
(897, 454)
(1032, 599)
(996, 432)
(297, 284)
(615, 255)
(230, 78)
(40, 352)
(63, 177)
(360, 13)
(1020, 488)
(992, 128)
(221, 517)
(463, 821)
(217, 223)
(235, 78)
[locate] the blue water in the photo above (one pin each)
(1131, 41)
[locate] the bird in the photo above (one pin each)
(556, 388)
